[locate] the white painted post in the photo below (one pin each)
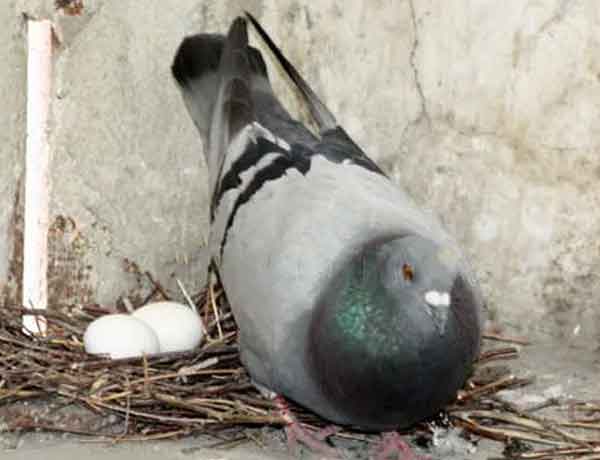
(37, 161)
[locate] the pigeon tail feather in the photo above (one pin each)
(319, 111)
(335, 144)
(214, 72)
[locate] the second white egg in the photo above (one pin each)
(177, 327)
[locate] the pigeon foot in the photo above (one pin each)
(296, 434)
(393, 447)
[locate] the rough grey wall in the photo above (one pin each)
(127, 166)
(12, 143)
(487, 112)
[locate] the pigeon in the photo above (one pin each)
(351, 300)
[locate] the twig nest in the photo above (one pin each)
(177, 327)
(120, 336)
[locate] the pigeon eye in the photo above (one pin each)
(407, 272)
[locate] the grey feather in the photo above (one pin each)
(329, 267)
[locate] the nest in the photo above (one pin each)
(207, 390)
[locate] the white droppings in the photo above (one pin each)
(554, 391)
(437, 299)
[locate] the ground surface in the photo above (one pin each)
(48, 447)
(560, 372)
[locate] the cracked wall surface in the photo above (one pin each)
(486, 113)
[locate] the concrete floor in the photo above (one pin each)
(50, 447)
(34, 449)
(562, 372)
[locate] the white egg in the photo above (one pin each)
(120, 336)
(178, 327)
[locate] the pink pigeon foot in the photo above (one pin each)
(393, 447)
(295, 433)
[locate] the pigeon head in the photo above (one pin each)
(395, 333)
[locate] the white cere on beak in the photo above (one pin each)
(437, 299)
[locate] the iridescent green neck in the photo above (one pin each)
(360, 314)
(363, 316)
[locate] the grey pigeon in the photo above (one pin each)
(350, 299)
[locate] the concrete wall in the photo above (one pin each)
(12, 143)
(486, 111)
